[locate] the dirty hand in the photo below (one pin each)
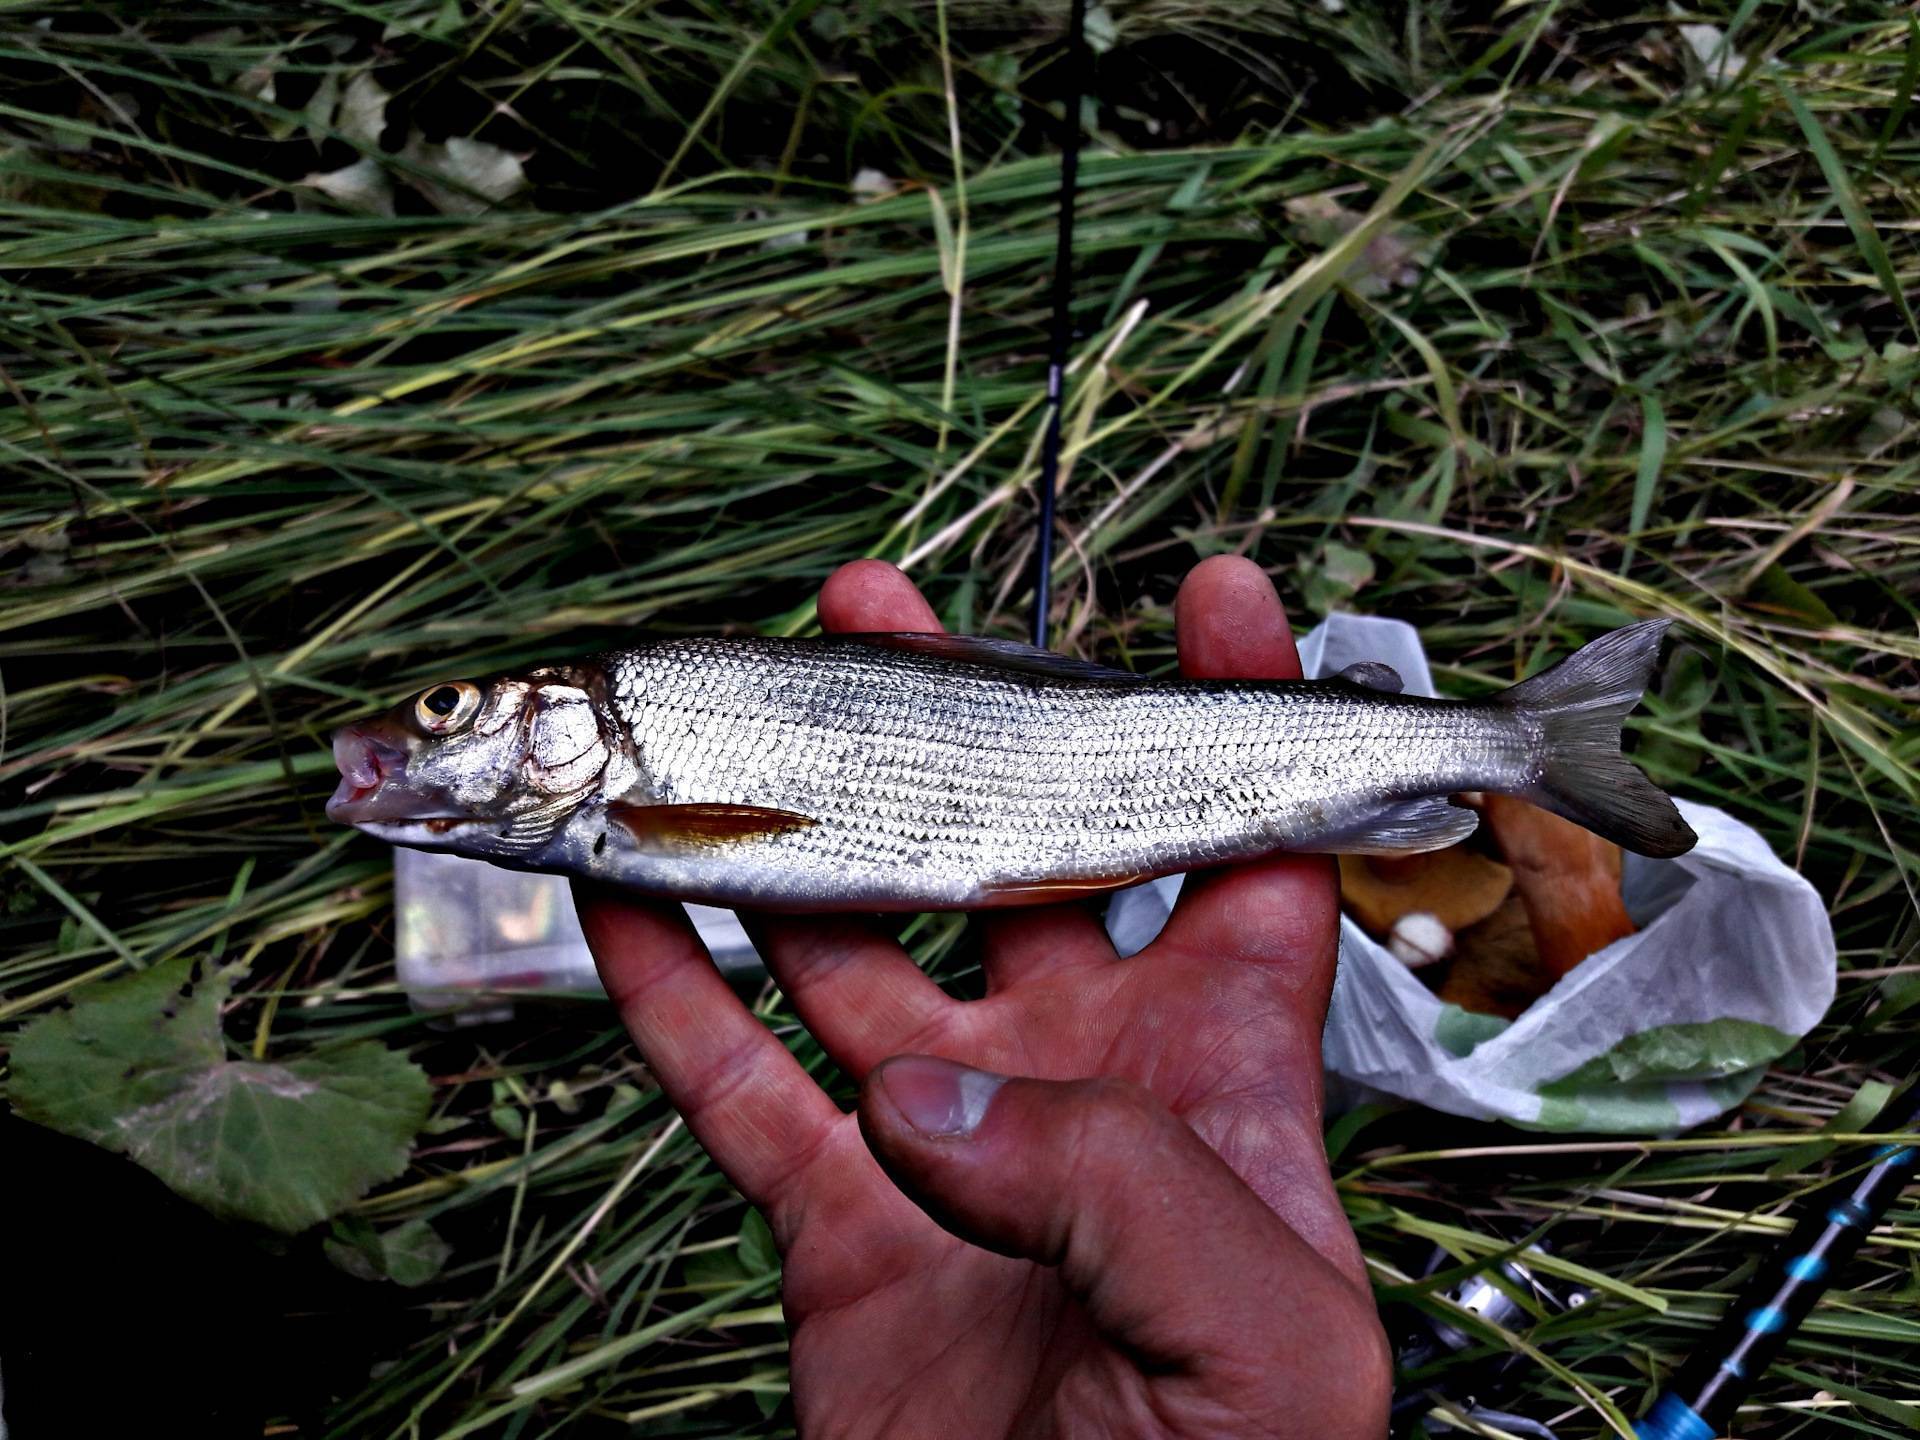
(1142, 1238)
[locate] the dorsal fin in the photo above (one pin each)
(1374, 675)
(995, 653)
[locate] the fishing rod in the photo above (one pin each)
(1062, 337)
(1701, 1400)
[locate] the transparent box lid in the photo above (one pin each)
(472, 935)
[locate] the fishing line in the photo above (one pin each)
(1062, 319)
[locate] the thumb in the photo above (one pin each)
(1171, 1254)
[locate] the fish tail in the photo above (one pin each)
(1578, 706)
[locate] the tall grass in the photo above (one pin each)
(1625, 331)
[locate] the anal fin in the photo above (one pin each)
(1041, 892)
(1409, 828)
(652, 826)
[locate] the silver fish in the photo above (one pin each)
(921, 772)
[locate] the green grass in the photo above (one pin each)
(1634, 339)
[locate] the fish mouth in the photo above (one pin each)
(373, 787)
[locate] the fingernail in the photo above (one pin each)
(940, 1099)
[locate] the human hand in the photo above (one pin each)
(1143, 1239)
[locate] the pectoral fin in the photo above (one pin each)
(672, 826)
(1405, 829)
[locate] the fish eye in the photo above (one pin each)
(446, 708)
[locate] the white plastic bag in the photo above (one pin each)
(1733, 961)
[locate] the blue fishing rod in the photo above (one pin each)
(1700, 1403)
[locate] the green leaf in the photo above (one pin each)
(1653, 456)
(138, 1065)
(413, 1253)
(1902, 90)
(1774, 589)
(410, 1254)
(757, 1251)
(1689, 1050)
(1898, 995)
(711, 1270)
(1854, 1118)
(1347, 1128)
(1335, 577)
(768, 1399)
(1886, 1407)
(1685, 691)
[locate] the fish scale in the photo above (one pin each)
(909, 761)
(921, 772)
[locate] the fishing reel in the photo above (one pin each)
(1465, 1400)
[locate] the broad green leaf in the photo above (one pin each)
(757, 1251)
(1335, 577)
(1774, 589)
(1853, 1118)
(409, 1254)
(139, 1066)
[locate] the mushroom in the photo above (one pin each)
(1495, 969)
(1455, 886)
(1418, 938)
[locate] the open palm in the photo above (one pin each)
(1116, 1277)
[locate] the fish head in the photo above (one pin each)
(489, 769)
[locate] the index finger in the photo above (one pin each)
(858, 992)
(747, 1101)
(1284, 908)
(864, 596)
(1024, 944)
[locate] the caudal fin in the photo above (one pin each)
(1579, 705)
